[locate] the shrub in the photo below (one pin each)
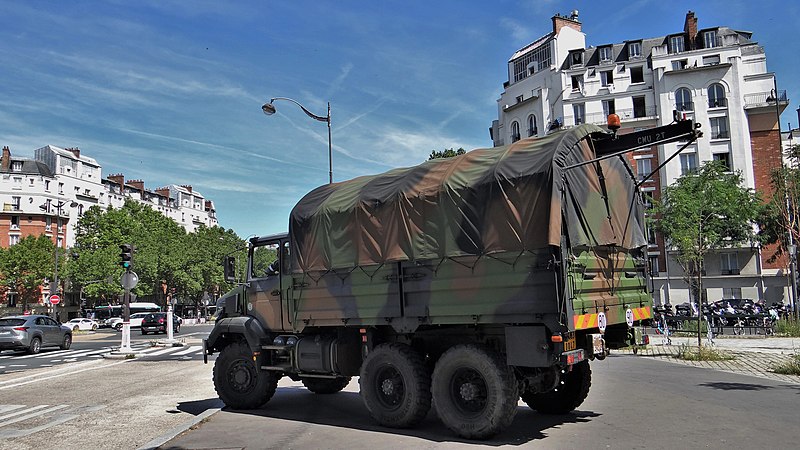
(788, 327)
(791, 367)
(704, 353)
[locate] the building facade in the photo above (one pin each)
(716, 76)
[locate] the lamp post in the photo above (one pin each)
(269, 109)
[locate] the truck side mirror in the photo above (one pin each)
(229, 268)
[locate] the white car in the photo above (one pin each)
(114, 322)
(136, 319)
(82, 324)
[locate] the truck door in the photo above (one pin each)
(264, 293)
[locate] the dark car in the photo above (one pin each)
(157, 323)
(31, 333)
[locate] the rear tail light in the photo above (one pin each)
(160, 320)
(21, 328)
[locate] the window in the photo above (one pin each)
(634, 50)
(13, 239)
(520, 98)
(31, 181)
(651, 235)
(639, 107)
(688, 163)
(80, 210)
(60, 241)
(514, 131)
(643, 168)
(607, 77)
(16, 166)
(683, 100)
(733, 292)
(719, 128)
(716, 96)
(15, 222)
(532, 128)
(48, 223)
(17, 183)
(605, 54)
(676, 44)
(653, 266)
(729, 264)
(609, 107)
(47, 185)
(680, 64)
(15, 203)
(637, 74)
(579, 111)
(724, 158)
(532, 61)
(576, 58)
(60, 188)
(577, 82)
(262, 259)
(710, 39)
(712, 60)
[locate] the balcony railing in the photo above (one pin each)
(718, 103)
(684, 106)
(764, 99)
(723, 134)
(601, 118)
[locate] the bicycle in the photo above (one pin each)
(662, 327)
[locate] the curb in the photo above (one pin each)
(171, 434)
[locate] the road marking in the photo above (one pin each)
(191, 349)
(6, 408)
(24, 411)
(56, 415)
(60, 372)
(162, 351)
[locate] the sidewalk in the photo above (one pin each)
(753, 355)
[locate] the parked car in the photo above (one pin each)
(31, 333)
(82, 324)
(157, 323)
(114, 322)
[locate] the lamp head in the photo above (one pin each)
(268, 108)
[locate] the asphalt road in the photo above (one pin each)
(635, 402)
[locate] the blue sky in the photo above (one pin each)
(170, 92)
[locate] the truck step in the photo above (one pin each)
(276, 347)
(276, 368)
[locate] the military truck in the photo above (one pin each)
(465, 283)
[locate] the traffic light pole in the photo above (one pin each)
(125, 347)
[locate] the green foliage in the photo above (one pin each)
(165, 255)
(788, 328)
(446, 153)
(26, 265)
(791, 367)
(782, 211)
(706, 353)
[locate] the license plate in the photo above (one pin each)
(5, 332)
(570, 344)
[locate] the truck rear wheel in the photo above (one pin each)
(566, 397)
(239, 382)
(325, 385)
(395, 385)
(474, 391)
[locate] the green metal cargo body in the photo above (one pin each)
(466, 282)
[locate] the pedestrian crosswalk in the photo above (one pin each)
(17, 420)
(11, 362)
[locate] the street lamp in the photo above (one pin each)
(269, 109)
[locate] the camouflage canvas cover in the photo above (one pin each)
(505, 199)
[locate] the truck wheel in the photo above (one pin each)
(325, 385)
(474, 391)
(567, 396)
(395, 385)
(239, 382)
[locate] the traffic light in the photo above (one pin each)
(126, 256)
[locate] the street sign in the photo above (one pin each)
(55, 299)
(129, 280)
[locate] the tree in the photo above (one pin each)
(782, 210)
(26, 265)
(703, 211)
(446, 153)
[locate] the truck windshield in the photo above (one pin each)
(263, 256)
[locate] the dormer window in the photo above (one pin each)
(634, 50)
(576, 58)
(710, 39)
(605, 54)
(676, 44)
(16, 166)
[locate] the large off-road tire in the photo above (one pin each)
(566, 397)
(239, 382)
(66, 343)
(35, 346)
(474, 391)
(395, 385)
(325, 385)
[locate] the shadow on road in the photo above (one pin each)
(736, 386)
(198, 407)
(346, 410)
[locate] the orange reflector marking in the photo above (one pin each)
(556, 338)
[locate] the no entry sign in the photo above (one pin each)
(55, 299)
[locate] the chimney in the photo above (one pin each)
(118, 178)
(690, 28)
(137, 184)
(188, 187)
(6, 159)
(572, 21)
(163, 191)
(75, 151)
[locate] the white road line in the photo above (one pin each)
(23, 411)
(63, 370)
(191, 349)
(6, 408)
(50, 354)
(163, 351)
(33, 414)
